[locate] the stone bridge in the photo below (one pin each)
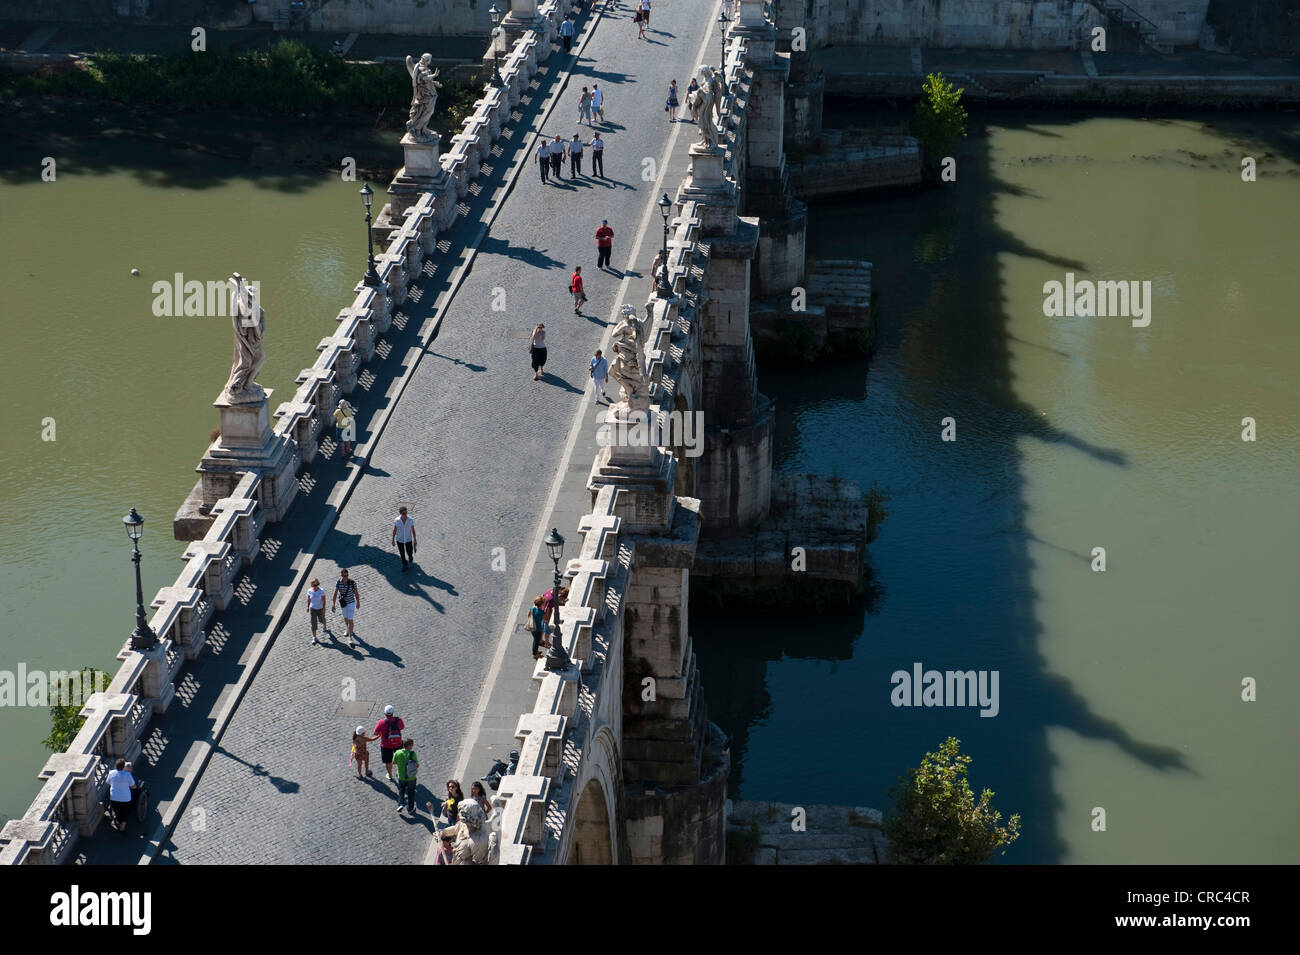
(617, 760)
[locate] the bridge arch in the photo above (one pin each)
(594, 834)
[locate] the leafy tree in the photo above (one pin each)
(935, 819)
(64, 721)
(940, 119)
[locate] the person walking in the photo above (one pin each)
(671, 106)
(121, 793)
(404, 538)
(645, 12)
(575, 286)
(538, 350)
(639, 20)
(408, 767)
(389, 730)
(599, 369)
(597, 156)
(316, 609)
(347, 594)
(584, 106)
(597, 101)
(543, 158)
(604, 244)
(346, 421)
(557, 155)
(361, 751)
(567, 31)
(575, 156)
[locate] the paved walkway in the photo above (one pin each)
(473, 447)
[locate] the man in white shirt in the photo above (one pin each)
(598, 102)
(575, 156)
(597, 156)
(557, 155)
(543, 158)
(404, 538)
(599, 369)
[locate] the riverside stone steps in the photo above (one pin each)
(834, 835)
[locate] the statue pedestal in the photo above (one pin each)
(644, 474)
(706, 167)
(246, 443)
(421, 173)
(708, 185)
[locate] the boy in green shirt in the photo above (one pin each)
(407, 765)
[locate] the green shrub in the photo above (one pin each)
(935, 819)
(940, 119)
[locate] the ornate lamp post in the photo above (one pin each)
(665, 208)
(495, 14)
(142, 637)
(723, 20)
(556, 658)
(367, 197)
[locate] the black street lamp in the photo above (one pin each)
(723, 20)
(142, 637)
(495, 14)
(367, 197)
(556, 658)
(665, 208)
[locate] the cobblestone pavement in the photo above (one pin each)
(471, 449)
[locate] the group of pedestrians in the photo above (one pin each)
(538, 619)
(468, 829)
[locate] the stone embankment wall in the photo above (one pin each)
(1053, 88)
(977, 24)
(72, 801)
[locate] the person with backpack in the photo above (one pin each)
(575, 286)
(408, 767)
(389, 730)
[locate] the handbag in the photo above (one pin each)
(530, 624)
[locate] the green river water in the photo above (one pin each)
(1119, 690)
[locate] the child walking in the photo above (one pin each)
(360, 751)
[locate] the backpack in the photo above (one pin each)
(412, 766)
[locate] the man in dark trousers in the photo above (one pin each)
(604, 244)
(597, 156)
(575, 157)
(557, 156)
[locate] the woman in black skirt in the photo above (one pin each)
(539, 350)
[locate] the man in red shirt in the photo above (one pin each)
(604, 244)
(389, 730)
(575, 286)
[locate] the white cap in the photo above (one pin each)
(361, 731)
(388, 710)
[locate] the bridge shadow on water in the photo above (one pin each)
(806, 701)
